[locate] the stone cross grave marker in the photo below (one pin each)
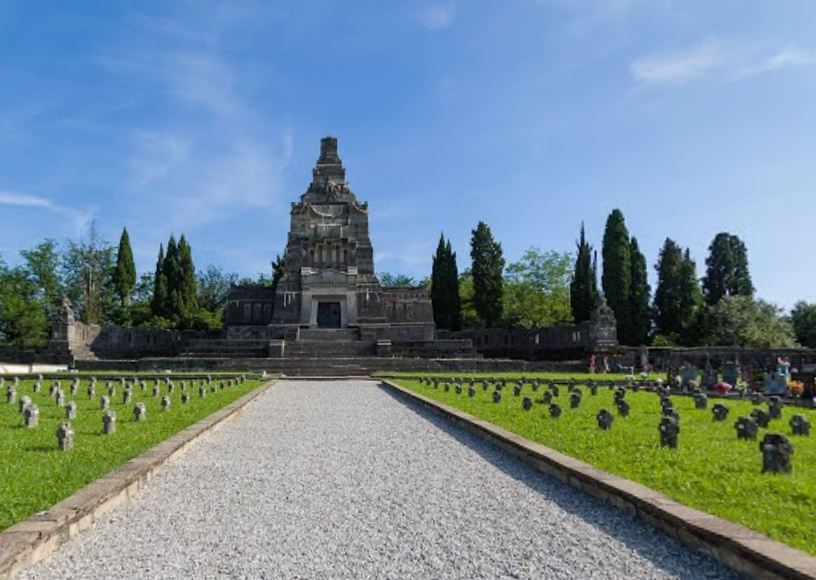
(776, 453)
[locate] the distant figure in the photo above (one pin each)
(605, 364)
(592, 364)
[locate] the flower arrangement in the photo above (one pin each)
(796, 388)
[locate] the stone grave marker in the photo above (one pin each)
(91, 392)
(156, 390)
(165, 403)
(11, 395)
(37, 387)
(185, 397)
(202, 391)
(547, 398)
(104, 402)
(497, 396)
(746, 428)
(669, 429)
(517, 390)
(23, 403)
(575, 399)
(605, 419)
(555, 411)
(761, 417)
(623, 408)
(65, 437)
(776, 453)
(775, 407)
(59, 398)
(31, 416)
(720, 412)
(127, 395)
(471, 391)
(70, 410)
(700, 401)
(109, 422)
(140, 412)
(800, 425)
(527, 403)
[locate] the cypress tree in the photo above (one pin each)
(617, 273)
(639, 295)
(488, 284)
(173, 305)
(726, 269)
(583, 287)
(445, 300)
(159, 302)
(188, 291)
(278, 270)
(667, 308)
(455, 306)
(124, 276)
(690, 300)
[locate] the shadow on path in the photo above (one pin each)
(631, 531)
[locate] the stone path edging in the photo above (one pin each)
(31, 540)
(736, 546)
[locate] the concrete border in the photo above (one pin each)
(32, 540)
(736, 546)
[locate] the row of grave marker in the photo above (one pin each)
(775, 447)
(65, 433)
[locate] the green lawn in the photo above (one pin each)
(711, 470)
(34, 475)
(528, 375)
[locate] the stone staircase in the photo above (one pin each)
(207, 348)
(329, 343)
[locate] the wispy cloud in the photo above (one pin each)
(79, 217)
(713, 61)
(437, 16)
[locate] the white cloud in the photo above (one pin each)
(437, 16)
(713, 61)
(79, 217)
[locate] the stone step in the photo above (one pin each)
(328, 334)
(322, 348)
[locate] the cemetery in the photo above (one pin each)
(53, 444)
(764, 478)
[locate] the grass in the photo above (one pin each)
(34, 475)
(711, 470)
(527, 375)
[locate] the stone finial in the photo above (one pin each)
(65, 437)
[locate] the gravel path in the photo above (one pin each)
(342, 480)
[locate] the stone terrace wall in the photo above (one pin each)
(545, 343)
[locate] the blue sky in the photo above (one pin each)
(204, 117)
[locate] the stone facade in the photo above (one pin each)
(329, 280)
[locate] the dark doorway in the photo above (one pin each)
(328, 315)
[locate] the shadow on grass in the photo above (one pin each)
(636, 534)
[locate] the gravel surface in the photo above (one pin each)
(342, 480)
